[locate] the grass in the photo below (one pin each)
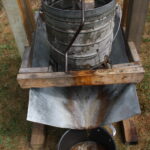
(146, 40)
(15, 130)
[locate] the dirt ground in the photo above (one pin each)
(15, 131)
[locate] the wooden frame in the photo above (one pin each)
(15, 21)
(132, 72)
(42, 77)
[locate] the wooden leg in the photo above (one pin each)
(137, 11)
(38, 136)
(130, 132)
(125, 13)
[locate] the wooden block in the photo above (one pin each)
(15, 20)
(125, 12)
(130, 74)
(26, 59)
(130, 132)
(38, 136)
(134, 53)
(35, 70)
(27, 18)
(137, 11)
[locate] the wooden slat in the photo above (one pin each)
(126, 65)
(78, 78)
(24, 69)
(38, 136)
(31, 14)
(125, 12)
(134, 53)
(34, 70)
(137, 10)
(130, 132)
(26, 61)
(27, 18)
(15, 20)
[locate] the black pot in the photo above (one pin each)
(98, 135)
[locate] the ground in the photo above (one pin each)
(15, 131)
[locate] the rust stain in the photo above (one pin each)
(71, 108)
(103, 107)
(81, 79)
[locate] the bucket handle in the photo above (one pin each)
(118, 16)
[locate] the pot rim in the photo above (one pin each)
(99, 128)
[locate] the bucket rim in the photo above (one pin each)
(77, 13)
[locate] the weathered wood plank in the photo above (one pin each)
(126, 65)
(31, 14)
(125, 12)
(34, 70)
(26, 62)
(27, 18)
(15, 20)
(78, 78)
(26, 69)
(130, 132)
(38, 136)
(137, 10)
(134, 53)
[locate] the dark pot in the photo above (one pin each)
(98, 135)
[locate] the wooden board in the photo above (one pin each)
(130, 132)
(137, 11)
(15, 20)
(41, 77)
(125, 12)
(134, 54)
(38, 136)
(131, 74)
(27, 58)
(27, 18)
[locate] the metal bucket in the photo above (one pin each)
(94, 41)
(99, 135)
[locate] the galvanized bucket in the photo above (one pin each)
(94, 41)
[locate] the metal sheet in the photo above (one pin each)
(82, 107)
